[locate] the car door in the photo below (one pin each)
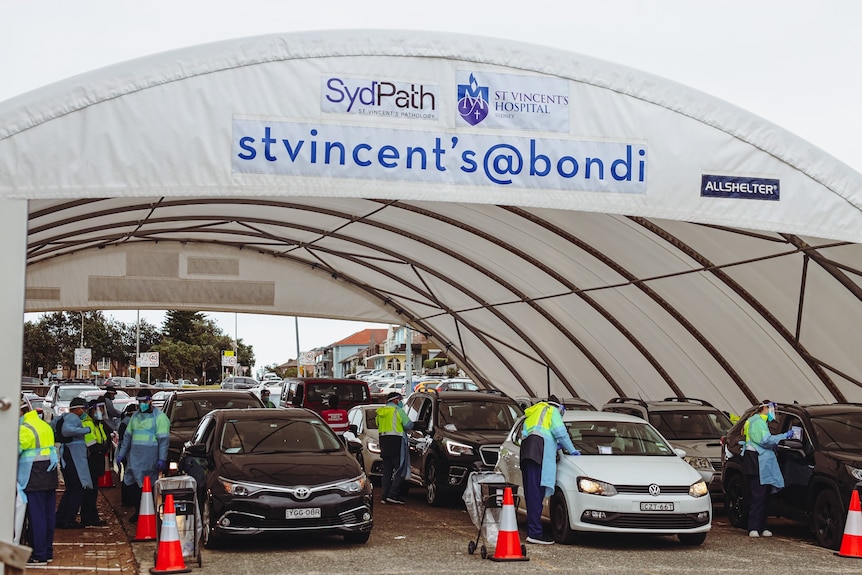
(796, 461)
(418, 409)
(509, 462)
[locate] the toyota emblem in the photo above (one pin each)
(304, 492)
(654, 490)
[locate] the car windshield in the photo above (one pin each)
(478, 415)
(277, 435)
(346, 392)
(186, 413)
(69, 393)
(839, 431)
(690, 424)
(617, 438)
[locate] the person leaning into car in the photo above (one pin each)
(392, 426)
(543, 432)
(760, 464)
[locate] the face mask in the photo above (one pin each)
(98, 415)
(144, 407)
(83, 415)
(770, 415)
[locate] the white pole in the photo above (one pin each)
(296, 324)
(408, 359)
(138, 349)
(236, 344)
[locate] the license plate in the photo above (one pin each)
(305, 513)
(657, 506)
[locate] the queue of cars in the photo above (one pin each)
(645, 466)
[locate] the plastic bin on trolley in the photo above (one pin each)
(484, 501)
(184, 490)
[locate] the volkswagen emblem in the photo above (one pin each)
(304, 492)
(654, 490)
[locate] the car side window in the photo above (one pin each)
(517, 432)
(203, 431)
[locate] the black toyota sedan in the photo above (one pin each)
(276, 470)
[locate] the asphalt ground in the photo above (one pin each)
(416, 538)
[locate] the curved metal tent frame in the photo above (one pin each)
(647, 289)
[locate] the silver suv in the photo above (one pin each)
(690, 424)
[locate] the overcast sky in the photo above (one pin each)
(795, 63)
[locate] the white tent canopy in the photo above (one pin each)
(554, 222)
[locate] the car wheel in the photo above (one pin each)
(432, 483)
(734, 501)
(208, 538)
(692, 538)
(561, 528)
(357, 537)
(828, 519)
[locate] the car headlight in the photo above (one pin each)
(698, 462)
(237, 488)
(356, 485)
(595, 487)
(373, 447)
(698, 489)
(854, 471)
(455, 448)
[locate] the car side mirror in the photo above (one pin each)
(352, 428)
(196, 449)
(354, 446)
(680, 452)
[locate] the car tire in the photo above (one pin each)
(691, 538)
(735, 503)
(208, 539)
(433, 495)
(561, 527)
(828, 519)
(357, 538)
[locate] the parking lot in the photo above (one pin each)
(416, 538)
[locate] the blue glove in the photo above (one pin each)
(161, 465)
(575, 452)
(120, 459)
(789, 434)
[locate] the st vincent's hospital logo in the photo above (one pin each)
(513, 102)
(473, 101)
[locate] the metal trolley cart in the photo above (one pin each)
(484, 501)
(184, 490)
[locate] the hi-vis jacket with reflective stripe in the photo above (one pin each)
(37, 454)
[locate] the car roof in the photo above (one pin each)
(468, 395)
(601, 416)
(669, 404)
(283, 413)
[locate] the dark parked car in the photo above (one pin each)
(455, 433)
(276, 471)
(820, 470)
(186, 408)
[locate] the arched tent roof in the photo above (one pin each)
(598, 232)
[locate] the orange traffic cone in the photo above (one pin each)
(146, 514)
(851, 543)
(169, 555)
(107, 478)
(508, 541)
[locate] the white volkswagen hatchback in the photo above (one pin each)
(628, 479)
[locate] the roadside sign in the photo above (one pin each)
(148, 359)
(228, 358)
(40, 371)
(83, 356)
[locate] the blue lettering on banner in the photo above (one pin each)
(333, 151)
(738, 187)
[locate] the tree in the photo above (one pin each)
(181, 325)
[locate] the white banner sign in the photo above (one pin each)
(149, 359)
(83, 356)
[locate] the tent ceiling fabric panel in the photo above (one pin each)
(589, 230)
